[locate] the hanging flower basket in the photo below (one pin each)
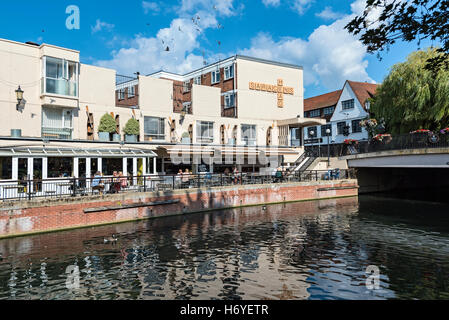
(368, 123)
(382, 137)
(350, 141)
(421, 131)
(444, 131)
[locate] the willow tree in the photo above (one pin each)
(413, 97)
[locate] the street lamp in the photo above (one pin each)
(328, 133)
(19, 95)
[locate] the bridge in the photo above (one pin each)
(401, 162)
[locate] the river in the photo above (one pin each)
(330, 249)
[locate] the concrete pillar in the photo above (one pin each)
(44, 168)
(134, 171)
(88, 167)
(144, 166)
(76, 172)
(100, 165)
(15, 168)
(125, 166)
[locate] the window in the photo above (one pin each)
(121, 94)
(215, 76)
(109, 165)
(186, 86)
(154, 128)
(186, 106)
(61, 77)
(328, 110)
(229, 100)
(205, 132)
(229, 72)
(312, 132)
(5, 167)
(324, 128)
(131, 91)
(314, 113)
(60, 167)
(56, 123)
(347, 104)
(356, 127)
(340, 127)
(197, 80)
(249, 134)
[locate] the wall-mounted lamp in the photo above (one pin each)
(19, 95)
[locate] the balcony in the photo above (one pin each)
(57, 133)
(60, 87)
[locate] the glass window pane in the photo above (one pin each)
(60, 167)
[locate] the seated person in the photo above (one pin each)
(96, 182)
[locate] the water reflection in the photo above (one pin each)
(310, 250)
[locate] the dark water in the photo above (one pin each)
(310, 250)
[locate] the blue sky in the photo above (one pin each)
(131, 36)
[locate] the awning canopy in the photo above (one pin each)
(225, 150)
(301, 122)
(74, 152)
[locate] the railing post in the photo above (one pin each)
(29, 187)
(221, 179)
(144, 184)
(316, 175)
(173, 182)
(74, 187)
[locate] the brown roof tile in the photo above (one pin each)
(363, 90)
(322, 101)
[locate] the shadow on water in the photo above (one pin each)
(308, 250)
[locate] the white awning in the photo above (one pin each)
(74, 152)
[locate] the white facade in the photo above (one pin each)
(348, 112)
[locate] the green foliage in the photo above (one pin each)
(185, 135)
(412, 97)
(107, 124)
(132, 127)
(384, 22)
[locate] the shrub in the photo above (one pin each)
(132, 127)
(107, 124)
(186, 135)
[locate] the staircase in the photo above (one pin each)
(302, 163)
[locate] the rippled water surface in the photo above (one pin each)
(310, 250)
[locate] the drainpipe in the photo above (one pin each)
(235, 87)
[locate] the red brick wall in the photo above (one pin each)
(69, 213)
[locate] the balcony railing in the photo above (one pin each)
(57, 133)
(61, 87)
(81, 187)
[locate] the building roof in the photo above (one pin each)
(363, 90)
(322, 101)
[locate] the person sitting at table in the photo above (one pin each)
(115, 182)
(123, 180)
(185, 178)
(236, 176)
(96, 183)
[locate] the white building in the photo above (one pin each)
(352, 106)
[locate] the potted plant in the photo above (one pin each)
(107, 126)
(132, 130)
(185, 138)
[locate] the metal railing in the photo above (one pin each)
(79, 187)
(402, 142)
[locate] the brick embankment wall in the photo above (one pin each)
(22, 218)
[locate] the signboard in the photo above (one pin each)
(316, 140)
(279, 89)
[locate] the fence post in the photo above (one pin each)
(74, 187)
(29, 187)
(144, 184)
(221, 179)
(316, 175)
(173, 182)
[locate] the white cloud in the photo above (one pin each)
(329, 14)
(301, 6)
(273, 3)
(330, 55)
(150, 6)
(101, 25)
(222, 7)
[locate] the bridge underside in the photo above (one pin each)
(401, 169)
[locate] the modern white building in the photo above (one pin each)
(351, 106)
